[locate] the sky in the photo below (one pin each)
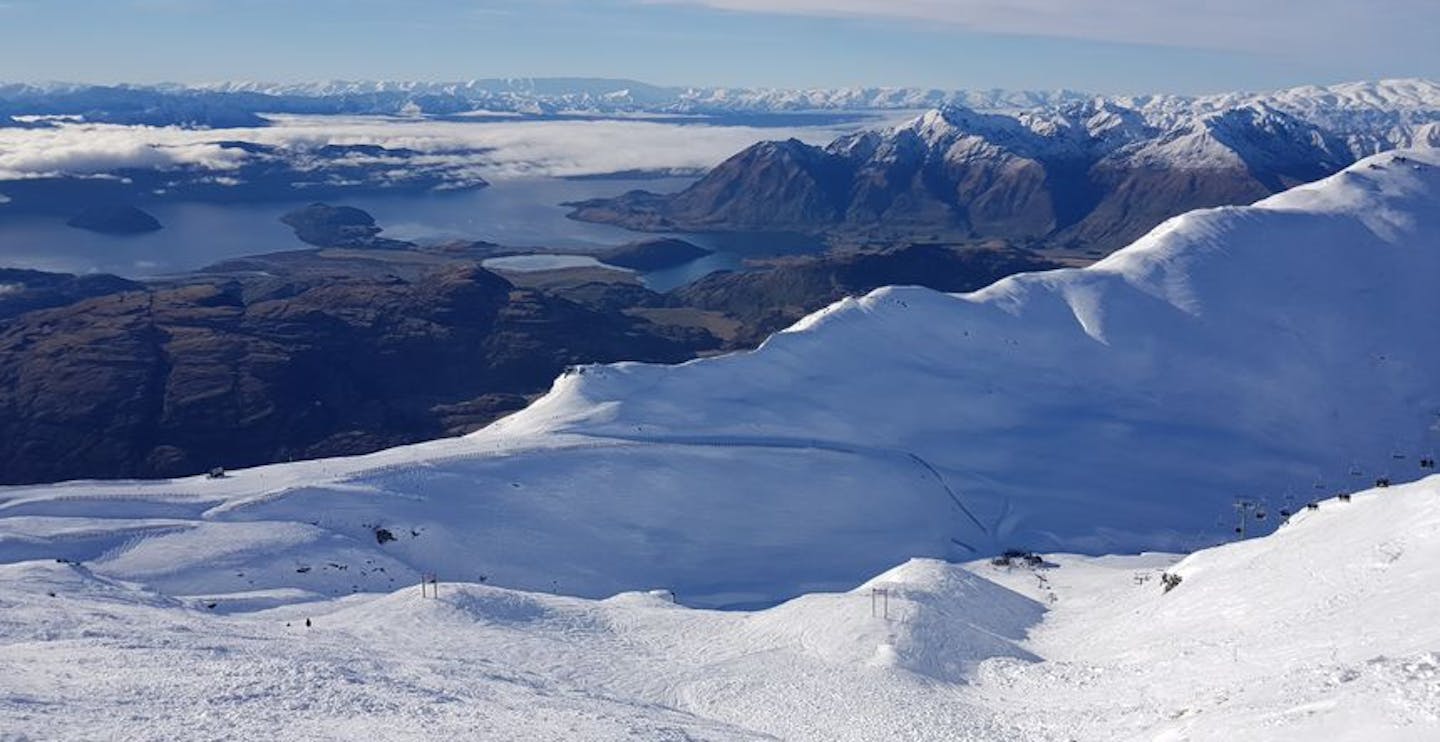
(1103, 46)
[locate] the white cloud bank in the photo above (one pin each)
(490, 150)
(1265, 26)
(89, 150)
(544, 148)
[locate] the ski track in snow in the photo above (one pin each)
(1315, 630)
(814, 444)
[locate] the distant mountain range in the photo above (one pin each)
(1094, 173)
(241, 103)
(1044, 169)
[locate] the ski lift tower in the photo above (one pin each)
(1243, 510)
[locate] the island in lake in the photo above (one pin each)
(324, 225)
(115, 220)
(653, 255)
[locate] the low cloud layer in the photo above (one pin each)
(490, 150)
(90, 150)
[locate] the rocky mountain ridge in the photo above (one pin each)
(1094, 174)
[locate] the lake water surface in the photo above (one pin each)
(513, 212)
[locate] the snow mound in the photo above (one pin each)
(925, 616)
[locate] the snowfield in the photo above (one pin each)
(1282, 353)
(1327, 628)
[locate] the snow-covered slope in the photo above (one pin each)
(1253, 137)
(1370, 116)
(1286, 340)
(1324, 629)
(1263, 352)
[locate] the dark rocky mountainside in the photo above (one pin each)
(769, 186)
(1233, 157)
(1095, 175)
(770, 299)
(169, 380)
(26, 290)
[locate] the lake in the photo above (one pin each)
(518, 212)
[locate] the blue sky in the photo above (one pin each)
(1113, 46)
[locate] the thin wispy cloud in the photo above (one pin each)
(1265, 26)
